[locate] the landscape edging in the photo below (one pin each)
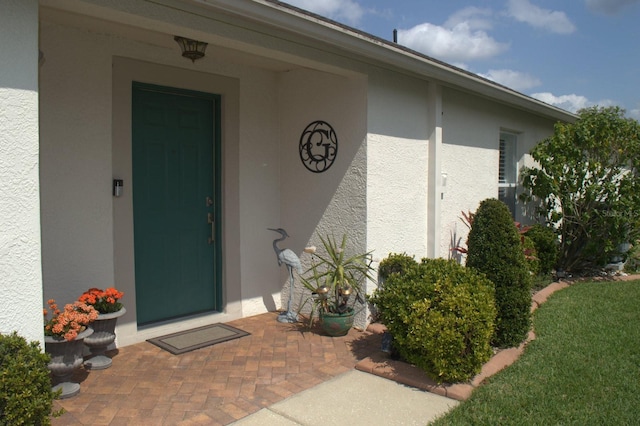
(399, 371)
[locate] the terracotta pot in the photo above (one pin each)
(66, 357)
(103, 335)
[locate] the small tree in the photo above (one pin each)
(494, 249)
(587, 185)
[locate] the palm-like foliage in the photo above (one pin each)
(336, 280)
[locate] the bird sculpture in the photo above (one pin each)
(291, 260)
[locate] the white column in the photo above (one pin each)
(435, 188)
(20, 249)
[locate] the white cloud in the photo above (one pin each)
(609, 7)
(477, 18)
(461, 38)
(554, 21)
(514, 79)
(634, 112)
(347, 11)
(571, 102)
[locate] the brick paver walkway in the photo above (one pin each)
(215, 385)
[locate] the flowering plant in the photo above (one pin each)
(73, 319)
(105, 301)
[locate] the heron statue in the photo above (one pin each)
(291, 260)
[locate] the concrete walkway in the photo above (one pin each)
(356, 398)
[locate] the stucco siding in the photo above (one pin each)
(470, 156)
(20, 250)
(77, 226)
(259, 209)
(397, 155)
(333, 202)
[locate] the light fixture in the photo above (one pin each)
(192, 49)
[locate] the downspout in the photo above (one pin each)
(435, 194)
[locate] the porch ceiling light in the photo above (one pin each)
(192, 49)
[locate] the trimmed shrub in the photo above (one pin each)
(441, 316)
(25, 387)
(494, 249)
(546, 244)
(395, 264)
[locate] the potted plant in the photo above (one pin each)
(336, 282)
(107, 303)
(64, 338)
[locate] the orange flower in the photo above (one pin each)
(104, 301)
(69, 322)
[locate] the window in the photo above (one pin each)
(508, 171)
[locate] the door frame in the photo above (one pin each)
(217, 176)
(125, 71)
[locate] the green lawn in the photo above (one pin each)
(582, 369)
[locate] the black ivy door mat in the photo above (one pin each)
(185, 341)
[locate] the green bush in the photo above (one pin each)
(441, 316)
(632, 264)
(546, 244)
(25, 387)
(494, 249)
(395, 264)
(530, 254)
(585, 184)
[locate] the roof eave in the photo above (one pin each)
(307, 24)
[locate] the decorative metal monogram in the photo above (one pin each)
(318, 146)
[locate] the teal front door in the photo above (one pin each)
(176, 202)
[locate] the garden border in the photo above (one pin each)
(399, 371)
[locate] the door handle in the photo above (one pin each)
(211, 221)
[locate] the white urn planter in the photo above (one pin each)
(103, 335)
(66, 357)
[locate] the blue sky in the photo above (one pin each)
(569, 53)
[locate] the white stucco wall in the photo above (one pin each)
(259, 171)
(470, 155)
(397, 156)
(77, 224)
(20, 251)
(332, 202)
